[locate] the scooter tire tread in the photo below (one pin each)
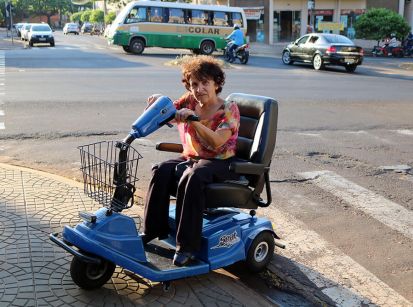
(251, 262)
(78, 272)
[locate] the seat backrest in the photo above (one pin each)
(258, 129)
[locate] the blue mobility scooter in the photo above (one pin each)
(107, 237)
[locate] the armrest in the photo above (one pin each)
(171, 147)
(248, 168)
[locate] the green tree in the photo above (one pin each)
(48, 7)
(86, 16)
(379, 23)
(97, 16)
(110, 17)
(76, 17)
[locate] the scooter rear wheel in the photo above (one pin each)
(91, 276)
(260, 252)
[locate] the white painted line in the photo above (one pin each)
(405, 132)
(337, 275)
(1, 113)
(362, 132)
(317, 135)
(2, 126)
(396, 168)
(380, 208)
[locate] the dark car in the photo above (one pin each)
(322, 49)
(86, 28)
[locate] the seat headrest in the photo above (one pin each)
(258, 127)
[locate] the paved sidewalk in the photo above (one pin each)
(35, 272)
(6, 42)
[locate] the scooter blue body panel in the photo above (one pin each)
(225, 234)
(226, 237)
(116, 239)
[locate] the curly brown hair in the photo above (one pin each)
(203, 68)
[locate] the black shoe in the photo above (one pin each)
(183, 258)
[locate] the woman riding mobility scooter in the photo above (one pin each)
(107, 237)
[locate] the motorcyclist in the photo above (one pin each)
(236, 39)
(392, 43)
(409, 40)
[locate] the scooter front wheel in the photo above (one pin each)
(260, 252)
(91, 276)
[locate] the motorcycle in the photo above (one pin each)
(408, 47)
(96, 31)
(385, 51)
(241, 53)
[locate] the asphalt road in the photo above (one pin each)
(341, 173)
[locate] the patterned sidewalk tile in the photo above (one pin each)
(36, 272)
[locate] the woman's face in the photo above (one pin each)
(204, 91)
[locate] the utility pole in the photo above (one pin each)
(311, 6)
(9, 13)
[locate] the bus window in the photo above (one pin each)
(198, 17)
(155, 14)
(229, 19)
(210, 20)
(187, 16)
(176, 15)
(220, 19)
(137, 14)
(237, 19)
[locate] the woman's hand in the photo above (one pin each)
(151, 99)
(182, 114)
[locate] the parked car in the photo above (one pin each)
(24, 31)
(71, 28)
(321, 49)
(41, 33)
(86, 28)
(18, 27)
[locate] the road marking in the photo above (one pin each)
(336, 274)
(316, 135)
(380, 208)
(2, 72)
(362, 132)
(405, 132)
(396, 168)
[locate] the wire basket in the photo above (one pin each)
(100, 167)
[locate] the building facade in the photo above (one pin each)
(286, 20)
(272, 21)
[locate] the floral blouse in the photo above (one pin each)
(227, 117)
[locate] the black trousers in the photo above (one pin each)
(190, 198)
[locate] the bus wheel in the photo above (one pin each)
(207, 47)
(137, 46)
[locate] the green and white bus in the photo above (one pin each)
(200, 28)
